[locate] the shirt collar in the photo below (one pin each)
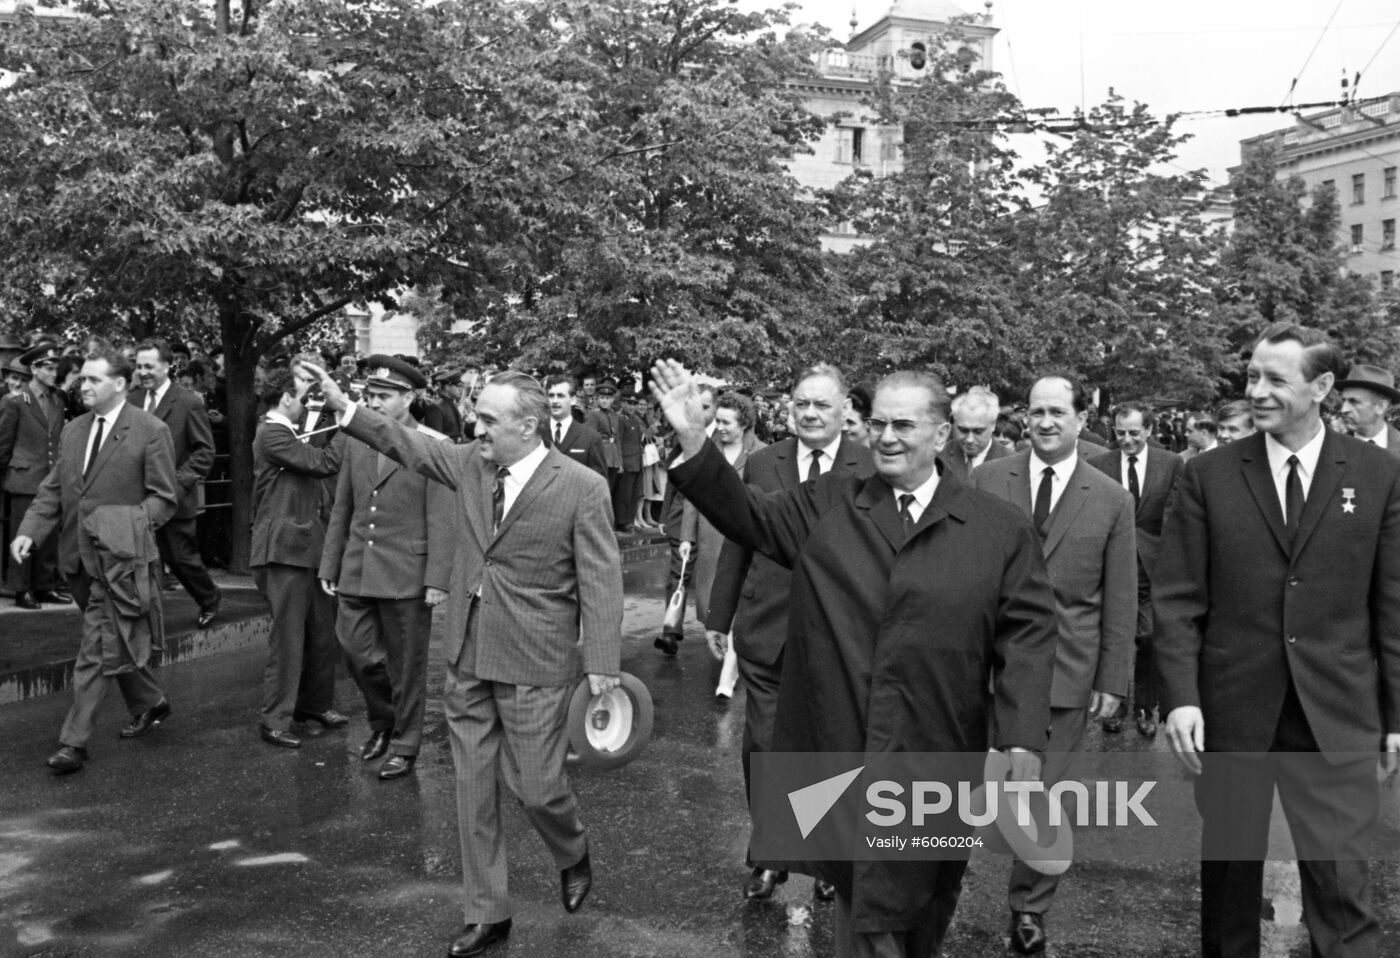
(274, 416)
(1307, 456)
(159, 394)
(1063, 469)
(804, 451)
(1381, 438)
(525, 467)
(924, 494)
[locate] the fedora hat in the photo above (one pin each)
(1007, 836)
(610, 730)
(1374, 378)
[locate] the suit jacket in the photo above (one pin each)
(1241, 612)
(290, 507)
(1161, 475)
(384, 525)
(135, 466)
(443, 416)
(30, 429)
(956, 459)
(751, 593)
(182, 410)
(582, 445)
(893, 642)
(1091, 553)
(547, 585)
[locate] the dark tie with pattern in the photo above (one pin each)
(498, 499)
(1133, 486)
(1292, 499)
(905, 514)
(1041, 512)
(96, 446)
(814, 471)
(558, 434)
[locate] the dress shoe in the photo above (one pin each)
(206, 617)
(55, 596)
(27, 600)
(330, 718)
(147, 720)
(375, 746)
(67, 760)
(279, 738)
(1146, 727)
(1027, 933)
(396, 766)
(574, 883)
(1113, 725)
(762, 882)
(474, 939)
(824, 890)
(667, 642)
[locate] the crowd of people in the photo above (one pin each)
(882, 567)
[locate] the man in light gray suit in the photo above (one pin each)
(1085, 521)
(535, 599)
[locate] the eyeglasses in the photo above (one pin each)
(902, 427)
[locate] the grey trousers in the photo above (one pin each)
(1028, 889)
(512, 736)
(387, 643)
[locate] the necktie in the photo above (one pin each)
(96, 445)
(814, 470)
(498, 498)
(1041, 512)
(150, 401)
(558, 434)
(905, 514)
(1133, 486)
(1292, 499)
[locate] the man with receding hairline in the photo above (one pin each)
(974, 418)
(858, 632)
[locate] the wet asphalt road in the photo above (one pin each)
(201, 841)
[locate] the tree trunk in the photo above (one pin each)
(240, 358)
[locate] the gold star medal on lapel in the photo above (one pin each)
(1348, 501)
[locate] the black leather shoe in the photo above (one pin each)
(667, 642)
(26, 600)
(1027, 933)
(375, 746)
(1113, 726)
(67, 760)
(396, 766)
(574, 883)
(55, 596)
(761, 884)
(1146, 727)
(824, 890)
(330, 718)
(475, 939)
(279, 738)
(147, 720)
(207, 616)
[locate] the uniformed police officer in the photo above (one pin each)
(390, 563)
(31, 422)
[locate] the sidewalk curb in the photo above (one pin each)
(232, 636)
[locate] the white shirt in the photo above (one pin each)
(273, 415)
(559, 428)
(827, 460)
(1381, 438)
(520, 474)
(922, 497)
(1063, 470)
(1140, 467)
(153, 398)
(980, 458)
(1307, 464)
(107, 420)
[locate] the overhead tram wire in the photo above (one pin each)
(1317, 43)
(1363, 70)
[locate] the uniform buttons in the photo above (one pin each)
(371, 542)
(373, 508)
(488, 561)
(1293, 581)
(371, 525)
(1292, 639)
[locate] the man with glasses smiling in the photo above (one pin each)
(912, 594)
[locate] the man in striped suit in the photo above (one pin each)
(535, 600)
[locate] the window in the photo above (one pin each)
(1387, 279)
(1330, 185)
(1358, 188)
(1387, 234)
(1357, 235)
(1388, 189)
(850, 145)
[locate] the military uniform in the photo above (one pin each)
(31, 423)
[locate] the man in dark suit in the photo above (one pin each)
(571, 437)
(442, 413)
(974, 419)
(31, 424)
(113, 455)
(536, 599)
(751, 594)
(1085, 521)
(1278, 631)
(863, 671)
(1367, 394)
(182, 411)
(1150, 475)
(384, 530)
(289, 531)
